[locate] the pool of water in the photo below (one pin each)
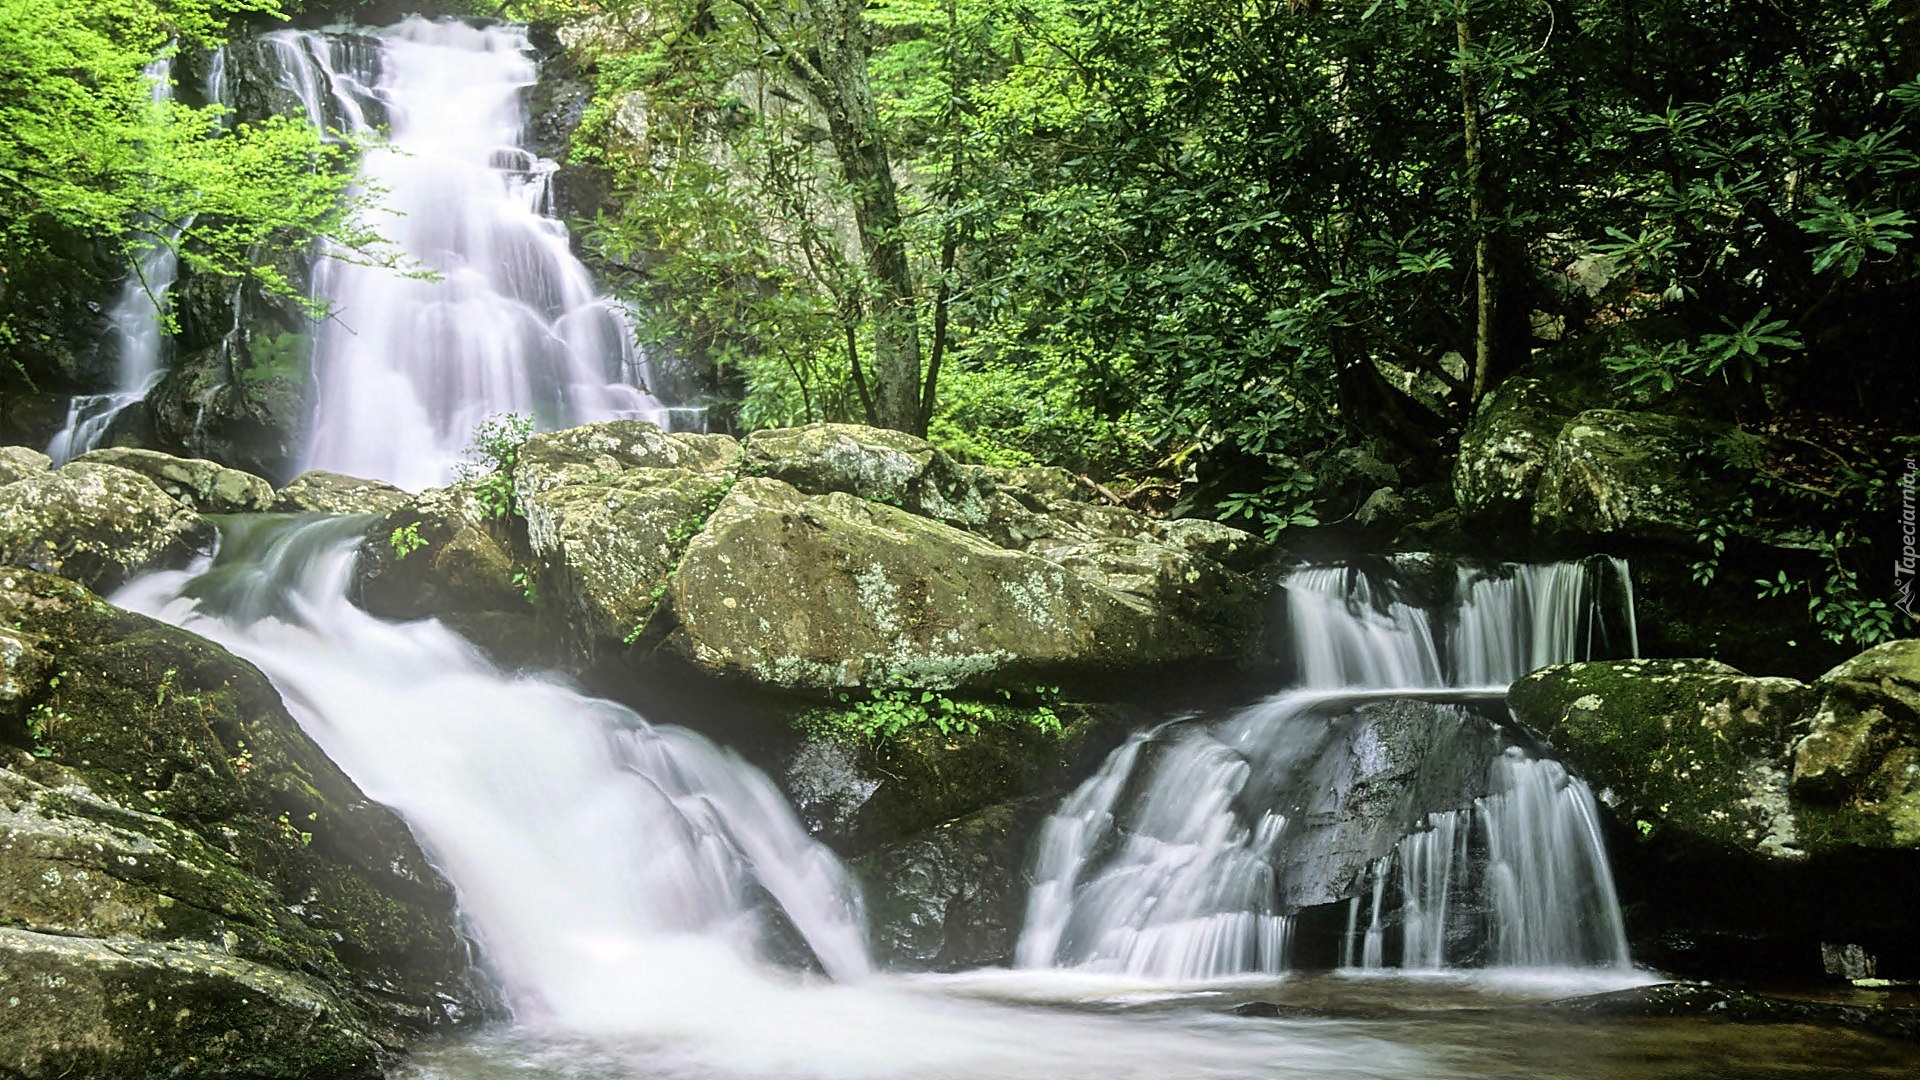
(1050, 1026)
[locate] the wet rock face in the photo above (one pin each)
(197, 881)
(1763, 823)
(952, 898)
(95, 523)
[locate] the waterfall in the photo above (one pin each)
(488, 311)
(136, 317)
(1188, 853)
(591, 849)
(629, 883)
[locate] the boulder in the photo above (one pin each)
(205, 486)
(1764, 827)
(1629, 475)
(97, 524)
(86, 1006)
(1693, 746)
(953, 898)
(825, 592)
(877, 465)
(321, 492)
(1504, 450)
(1861, 753)
(169, 836)
(20, 462)
(609, 508)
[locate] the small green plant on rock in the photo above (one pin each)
(491, 457)
(406, 540)
(888, 714)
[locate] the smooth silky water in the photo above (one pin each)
(627, 884)
(647, 901)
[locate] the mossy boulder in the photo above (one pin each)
(206, 486)
(86, 1007)
(164, 816)
(322, 492)
(832, 591)
(1689, 745)
(97, 524)
(1861, 752)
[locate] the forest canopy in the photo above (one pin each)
(94, 164)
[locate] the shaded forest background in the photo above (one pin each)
(1276, 263)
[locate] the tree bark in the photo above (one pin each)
(834, 75)
(1483, 269)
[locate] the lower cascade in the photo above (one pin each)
(590, 849)
(1382, 783)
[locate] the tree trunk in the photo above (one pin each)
(1483, 269)
(834, 75)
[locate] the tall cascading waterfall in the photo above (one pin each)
(591, 850)
(489, 311)
(139, 336)
(1185, 856)
(640, 892)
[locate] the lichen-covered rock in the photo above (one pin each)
(1689, 745)
(154, 789)
(1861, 753)
(877, 465)
(322, 492)
(130, 1009)
(20, 462)
(206, 486)
(1640, 476)
(834, 591)
(1504, 450)
(597, 453)
(608, 509)
(97, 524)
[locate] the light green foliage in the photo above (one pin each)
(87, 157)
(889, 713)
(406, 540)
(490, 459)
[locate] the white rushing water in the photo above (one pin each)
(1185, 855)
(609, 870)
(490, 313)
(592, 850)
(139, 333)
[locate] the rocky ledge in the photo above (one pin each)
(1765, 824)
(188, 887)
(823, 558)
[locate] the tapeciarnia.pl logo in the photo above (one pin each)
(1903, 570)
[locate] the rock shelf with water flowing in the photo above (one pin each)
(1379, 786)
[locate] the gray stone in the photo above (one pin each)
(97, 524)
(19, 462)
(206, 486)
(320, 492)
